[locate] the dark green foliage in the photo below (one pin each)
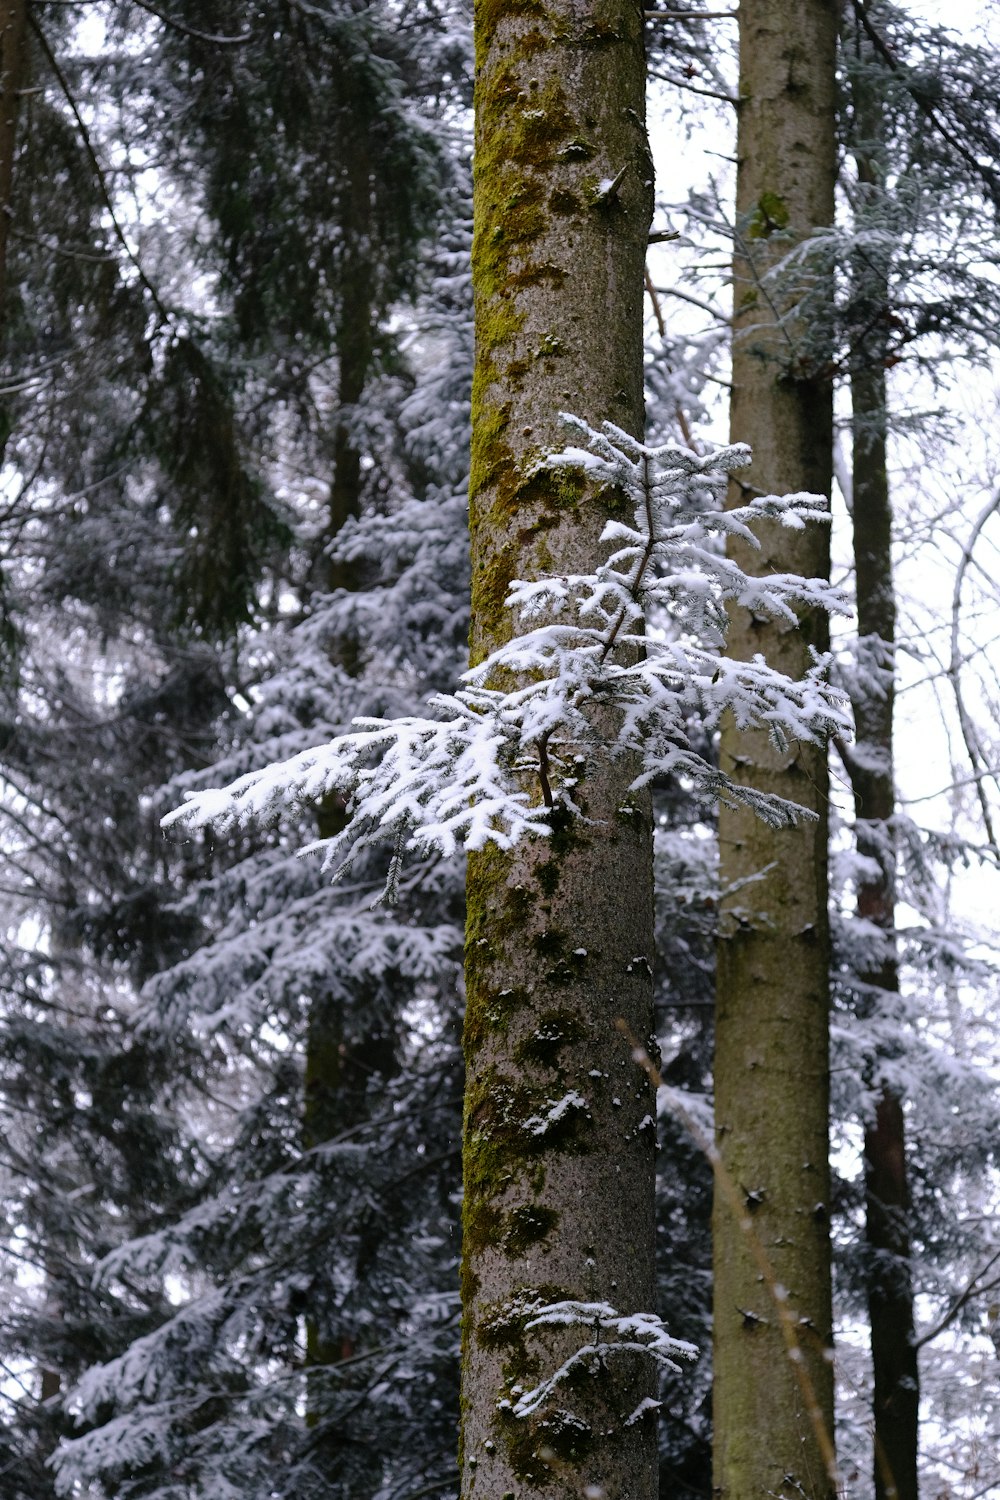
(309, 157)
(686, 880)
(163, 397)
(226, 528)
(231, 1091)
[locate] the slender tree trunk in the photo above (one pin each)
(558, 1148)
(870, 766)
(887, 1204)
(13, 22)
(346, 1046)
(355, 346)
(13, 18)
(772, 1022)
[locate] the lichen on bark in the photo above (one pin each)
(558, 1166)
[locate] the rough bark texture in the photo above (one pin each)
(559, 1138)
(887, 1230)
(772, 1065)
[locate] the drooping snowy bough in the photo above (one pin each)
(644, 633)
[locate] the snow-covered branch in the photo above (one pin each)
(644, 634)
(611, 1332)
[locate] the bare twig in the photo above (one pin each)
(185, 30)
(698, 302)
(654, 299)
(977, 760)
(98, 170)
(975, 1287)
(692, 88)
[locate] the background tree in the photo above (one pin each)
(186, 440)
(771, 1025)
(896, 1392)
(906, 155)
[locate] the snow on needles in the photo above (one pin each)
(644, 635)
(611, 1333)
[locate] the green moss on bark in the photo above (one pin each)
(558, 109)
(555, 1030)
(488, 14)
(527, 1226)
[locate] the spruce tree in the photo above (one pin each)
(773, 1406)
(896, 1393)
(297, 1128)
(558, 1144)
(911, 135)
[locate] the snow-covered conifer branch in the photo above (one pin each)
(612, 1333)
(644, 634)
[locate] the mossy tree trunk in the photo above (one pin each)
(772, 1021)
(870, 767)
(559, 1136)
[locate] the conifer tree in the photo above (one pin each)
(306, 1212)
(558, 1206)
(546, 783)
(896, 1391)
(272, 946)
(773, 1412)
(913, 138)
(13, 25)
(138, 529)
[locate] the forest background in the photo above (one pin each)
(236, 323)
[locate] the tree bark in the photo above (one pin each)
(13, 20)
(896, 1397)
(887, 1203)
(13, 24)
(772, 1020)
(347, 1044)
(559, 1140)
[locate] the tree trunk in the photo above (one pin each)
(13, 22)
(887, 1204)
(870, 766)
(355, 348)
(559, 1140)
(346, 1046)
(13, 15)
(772, 1022)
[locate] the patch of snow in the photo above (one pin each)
(539, 1124)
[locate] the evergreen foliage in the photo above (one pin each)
(235, 356)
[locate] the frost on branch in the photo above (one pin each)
(611, 1333)
(643, 636)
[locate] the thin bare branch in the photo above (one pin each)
(98, 170)
(970, 737)
(974, 1288)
